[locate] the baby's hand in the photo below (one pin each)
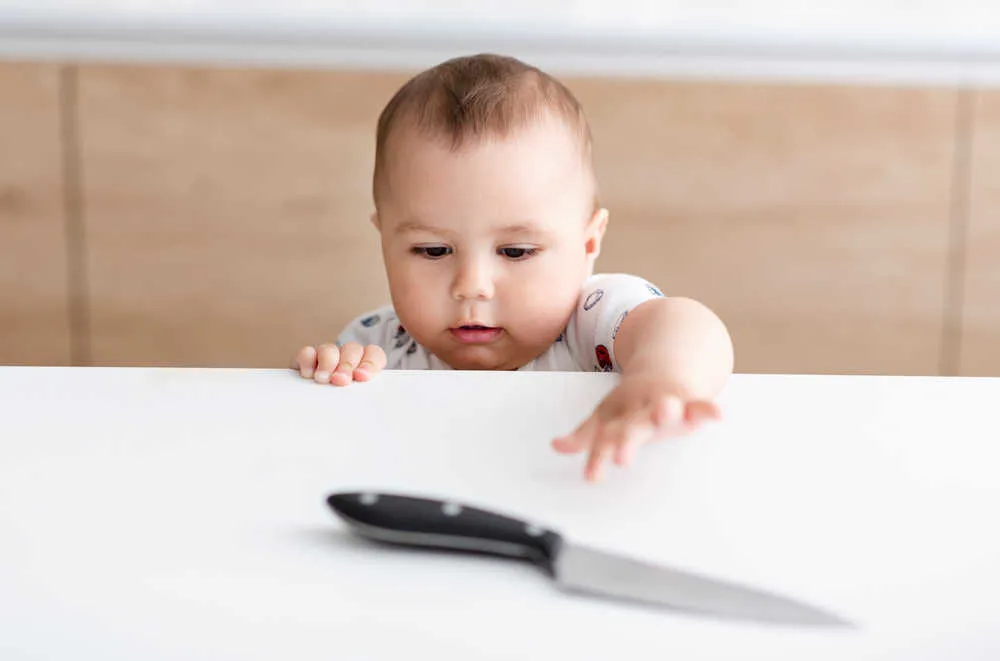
(640, 409)
(339, 366)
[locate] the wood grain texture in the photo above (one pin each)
(980, 350)
(228, 211)
(34, 317)
(813, 219)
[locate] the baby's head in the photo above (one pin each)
(486, 202)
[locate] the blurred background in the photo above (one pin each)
(188, 183)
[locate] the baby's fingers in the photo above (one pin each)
(607, 443)
(668, 411)
(350, 357)
(631, 438)
(700, 411)
(619, 444)
(305, 362)
(328, 355)
(599, 452)
(580, 439)
(372, 362)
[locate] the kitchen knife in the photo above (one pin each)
(441, 524)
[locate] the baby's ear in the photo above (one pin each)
(595, 232)
(375, 220)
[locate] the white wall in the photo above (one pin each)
(953, 42)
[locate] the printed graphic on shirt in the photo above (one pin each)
(368, 322)
(618, 325)
(412, 350)
(562, 337)
(603, 358)
(654, 291)
(400, 337)
(592, 300)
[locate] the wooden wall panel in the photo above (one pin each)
(980, 352)
(228, 211)
(813, 219)
(34, 317)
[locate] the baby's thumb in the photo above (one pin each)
(567, 445)
(578, 440)
(701, 411)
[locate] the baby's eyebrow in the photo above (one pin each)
(417, 226)
(408, 226)
(523, 228)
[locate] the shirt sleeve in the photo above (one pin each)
(605, 301)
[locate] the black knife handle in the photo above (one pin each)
(432, 523)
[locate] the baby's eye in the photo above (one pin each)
(515, 252)
(432, 252)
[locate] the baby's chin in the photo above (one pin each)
(482, 358)
(490, 364)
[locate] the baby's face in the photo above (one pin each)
(486, 248)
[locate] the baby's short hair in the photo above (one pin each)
(477, 97)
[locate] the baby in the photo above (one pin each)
(487, 205)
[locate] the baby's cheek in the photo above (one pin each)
(409, 284)
(543, 312)
(415, 302)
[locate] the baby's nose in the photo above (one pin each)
(473, 281)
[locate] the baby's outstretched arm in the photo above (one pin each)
(675, 357)
(682, 342)
(339, 366)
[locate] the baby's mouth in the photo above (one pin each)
(475, 333)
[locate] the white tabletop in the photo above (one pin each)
(179, 514)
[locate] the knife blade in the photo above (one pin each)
(433, 523)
